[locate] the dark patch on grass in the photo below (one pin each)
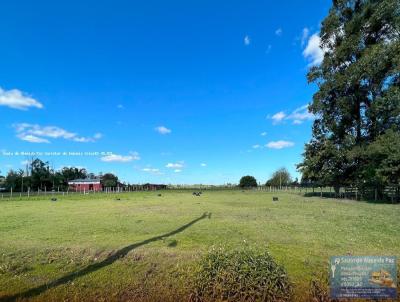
(173, 243)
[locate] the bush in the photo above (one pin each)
(240, 275)
(248, 182)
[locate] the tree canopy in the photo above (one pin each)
(357, 105)
(280, 178)
(248, 182)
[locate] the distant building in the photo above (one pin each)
(153, 187)
(81, 185)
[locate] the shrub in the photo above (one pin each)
(240, 275)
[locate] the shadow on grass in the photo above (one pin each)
(96, 266)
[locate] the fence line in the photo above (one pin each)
(388, 193)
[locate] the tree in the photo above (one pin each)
(248, 182)
(41, 175)
(358, 99)
(109, 180)
(280, 178)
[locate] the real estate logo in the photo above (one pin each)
(368, 277)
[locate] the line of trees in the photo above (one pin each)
(280, 178)
(40, 176)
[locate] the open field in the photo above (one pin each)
(141, 247)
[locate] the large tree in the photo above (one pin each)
(280, 178)
(248, 182)
(358, 99)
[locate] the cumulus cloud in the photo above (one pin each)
(178, 170)
(163, 130)
(279, 144)
(279, 32)
(32, 138)
(203, 164)
(256, 146)
(313, 51)
(154, 171)
(121, 158)
(278, 117)
(16, 99)
(298, 116)
(246, 40)
(263, 133)
(178, 165)
(38, 134)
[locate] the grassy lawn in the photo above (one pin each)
(98, 248)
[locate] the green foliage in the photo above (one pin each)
(109, 180)
(248, 182)
(358, 99)
(240, 275)
(279, 178)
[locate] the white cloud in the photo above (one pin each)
(177, 165)
(279, 144)
(154, 171)
(163, 130)
(121, 158)
(16, 99)
(304, 36)
(279, 32)
(278, 117)
(263, 133)
(32, 138)
(38, 134)
(313, 51)
(256, 146)
(203, 164)
(269, 47)
(246, 40)
(298, 116)
(120, 106)
(177, 170)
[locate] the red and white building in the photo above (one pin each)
(85, 185)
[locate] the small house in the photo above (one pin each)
(85, 185)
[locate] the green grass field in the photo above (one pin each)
(95, 247)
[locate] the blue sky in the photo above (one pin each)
(178, 91)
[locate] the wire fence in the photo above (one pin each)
(387, 194)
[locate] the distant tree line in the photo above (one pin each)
(280, 178)
(356, 133)
(40, 176)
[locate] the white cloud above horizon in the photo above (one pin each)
(263, 133)
(154, 171)
(203, 165)
(163, 130)
(177, 165)
(313, 51)
(16, 99)
(34, 133)
(279, 144)
(278, 117)
(121, 158)
(298, 116)
(279, 32)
